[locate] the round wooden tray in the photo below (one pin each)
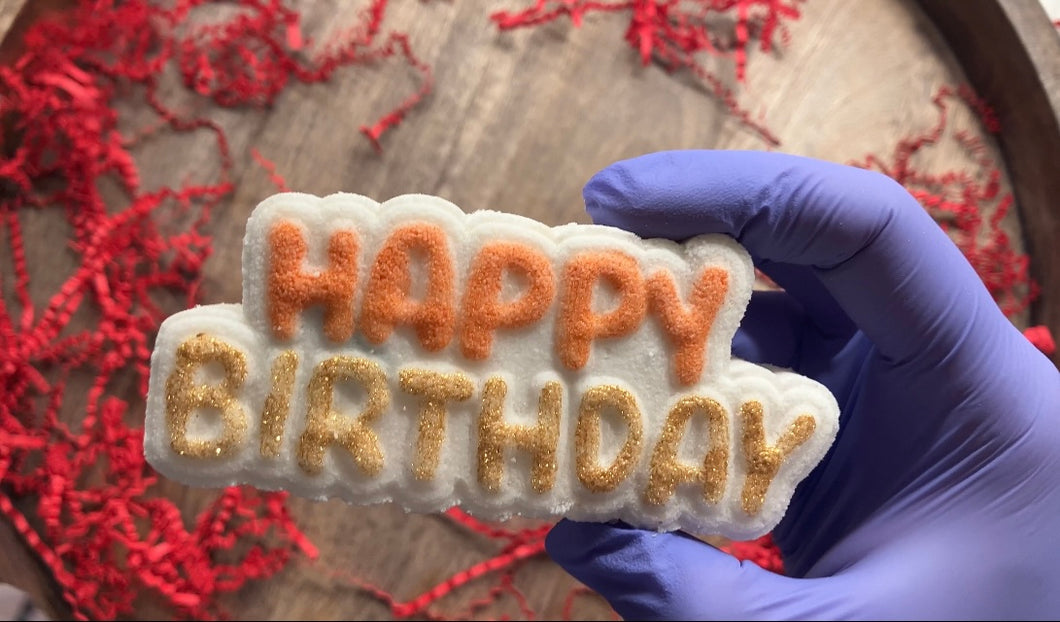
(517, 122)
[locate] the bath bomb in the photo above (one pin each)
(411, 353)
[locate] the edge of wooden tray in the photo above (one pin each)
(1010, 52)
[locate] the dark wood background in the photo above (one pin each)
(517, 122)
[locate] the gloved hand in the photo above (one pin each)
(941, 495)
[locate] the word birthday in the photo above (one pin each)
(412, 353)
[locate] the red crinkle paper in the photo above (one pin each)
(99, 524)
(968, 203)
(680, 35)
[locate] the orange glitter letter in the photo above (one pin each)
(577, 325)
(688, 327)
(290, 289)
(387, 300)
(483, 310)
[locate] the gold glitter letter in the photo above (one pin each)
(764, 461)
(183, 396)
(324, 426)
(587, 437)
(540, 439)
(666, 472)
(436, 390)
(278, 403)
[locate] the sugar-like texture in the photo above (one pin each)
(525, 359)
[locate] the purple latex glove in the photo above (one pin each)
(941, 495)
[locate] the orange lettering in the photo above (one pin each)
(387, 301)
(577, 325)
(688, 327)
(483, 310)
(290, 289)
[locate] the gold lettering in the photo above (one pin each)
(763, 461)
(278, 403)
(666, 472)
(587, 437)
(437, 390)
(184, 396)
(325, 426)
(540, 439)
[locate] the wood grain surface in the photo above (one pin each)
(517, 122)
(9, 10)
(1024, 49)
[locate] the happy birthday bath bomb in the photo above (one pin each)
(408, 352)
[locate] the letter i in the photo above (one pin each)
(278, 403)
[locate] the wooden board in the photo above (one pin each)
(517, 122)
(9, 10)
(1018, 72)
